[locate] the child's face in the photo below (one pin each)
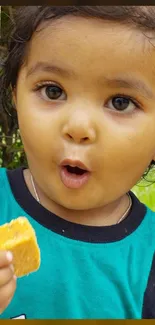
(93, 62)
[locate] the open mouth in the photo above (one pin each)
(73, 176)
(75, 170)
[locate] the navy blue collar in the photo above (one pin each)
(69, 229)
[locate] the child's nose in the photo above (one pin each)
(79, 130)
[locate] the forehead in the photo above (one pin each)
(90, 45)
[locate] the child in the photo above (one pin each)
(87, 143)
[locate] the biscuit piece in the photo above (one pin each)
(19, 237)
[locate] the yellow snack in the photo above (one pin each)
(19, 237)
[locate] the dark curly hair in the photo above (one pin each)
(29, 18)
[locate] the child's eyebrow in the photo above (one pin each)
(130, 83)
(46, 67)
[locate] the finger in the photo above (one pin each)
(6, 275)
(7, 291)
(5, 305)
(5, 258)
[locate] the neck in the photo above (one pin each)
(102, 216)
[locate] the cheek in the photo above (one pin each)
(38, 131)
(126, 153)
(33, 134)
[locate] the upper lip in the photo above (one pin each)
(74, 163)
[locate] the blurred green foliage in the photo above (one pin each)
(145, 190)
(11, 149)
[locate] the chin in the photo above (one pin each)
(77, 204)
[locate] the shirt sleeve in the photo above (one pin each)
(148, 311)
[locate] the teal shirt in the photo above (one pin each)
(80, 279)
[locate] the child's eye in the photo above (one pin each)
(50, 91)
(122, 103)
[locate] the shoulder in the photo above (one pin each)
(3, 182)
(144, 248)
(148, 238)
(148, 311)
(8, 204)
(150, 219)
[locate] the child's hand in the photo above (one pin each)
(7, 280)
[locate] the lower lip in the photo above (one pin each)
(72, 180)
